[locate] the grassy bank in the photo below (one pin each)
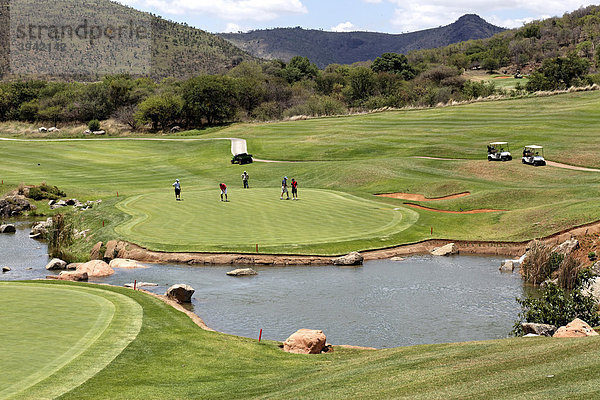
(172, 358)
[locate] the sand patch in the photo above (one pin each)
(480, 211)
(420, 197)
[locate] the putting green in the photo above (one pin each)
(60, 336)
(256, 216)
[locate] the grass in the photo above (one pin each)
(172, 358)
(354, 156)
(55, 348)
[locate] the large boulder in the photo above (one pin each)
(125, 264)
(507, 266)
(180, 293)
(6, 269)
(447, 250)
(15, 205)
(73, 266)
(593, 288)
(56, 263)
(242, 272)
(575, 328)
(567, 247)
(353, 258)
(96, 252)
(305, 341)
(95, 268)
(113, 247)
(538, 329)
(8, 228)
(74, 276)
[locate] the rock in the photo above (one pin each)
(396, 259)
(15, 205)
(72, 202)
(96, 268)
(507, 266)
(73, 266)
(111, 250)
(566, 247)
(82, 234)
(5, 269)
(87, 132)
(596, 268)
(549, 281)
(125, 264)
(176, 129)
(353, 258)
(538, 329)
(56, 263)
(180, 293)
(75, 276)
(42, 129)
(58, 204)
(593, 288)
(575, 328)
(531, 335)
(99, 132)
(447, 250)
(305, 341)
(53, 129)
(242, 272)
(8, 228)
(140, 284)
(40, 228)
(96, 251)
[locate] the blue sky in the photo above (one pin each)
(392, 16)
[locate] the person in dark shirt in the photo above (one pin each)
(294, 189)
(177, 187)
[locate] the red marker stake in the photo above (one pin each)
(117, 194)
(260, 335)
(134, 284)
(103, 224)
(432, 230)
(257, 248)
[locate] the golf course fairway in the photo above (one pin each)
(257, 216)
(169, 357)
(55, 337)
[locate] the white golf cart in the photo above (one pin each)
(533, 155)
(499, 151)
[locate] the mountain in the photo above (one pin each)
(87, 39)
(324, 48)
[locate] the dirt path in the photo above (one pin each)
(439, 158)
(420, 197)
(572, 167)
(483, 210)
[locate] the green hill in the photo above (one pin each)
(325, 48)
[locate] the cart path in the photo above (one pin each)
(420, 197)
(572, 167)
(480, 211)
(439, 158)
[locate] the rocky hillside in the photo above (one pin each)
(325, 48)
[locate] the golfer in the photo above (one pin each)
(245, 178)
(294, 189)
(284, 188)
(223, 188)
(177, 187)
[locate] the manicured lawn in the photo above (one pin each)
(53, 338)
(172, 358)
(355, 157)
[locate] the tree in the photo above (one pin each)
(490, 64)
(559, 72)
(394, 63)
(361, 84)
(160, 110)
(210, 98)
(298, 69)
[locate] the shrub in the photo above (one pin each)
(60, 237)
(539, 263)
(45, 191)
(592, 256)
(94, 125)
(557, 306)
(568, 272)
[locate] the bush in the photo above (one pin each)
(557, 306)
(592, 256)
(539, 264)
(45, 191)
(94, 125)
(60, 237)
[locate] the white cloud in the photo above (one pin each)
(230, 10)
(344, 27)
(423, 14)
(232, 28)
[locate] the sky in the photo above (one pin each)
(391, 16)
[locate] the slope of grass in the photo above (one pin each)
(173, 358)
(54, 338)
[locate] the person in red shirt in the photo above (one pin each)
(294, 189)
(223, 188)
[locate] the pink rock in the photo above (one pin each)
(96, 268)
(575, 328)
(73, 276)
(125, 264)
(305, 341)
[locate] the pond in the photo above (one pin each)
(420, 300)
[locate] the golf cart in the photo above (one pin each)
(242, 159)
(499, 151)
(531, 155)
